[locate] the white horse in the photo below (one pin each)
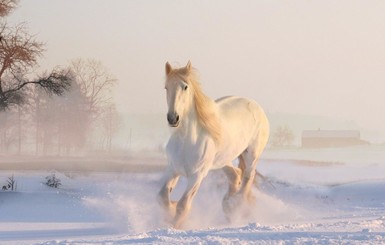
(209, 135)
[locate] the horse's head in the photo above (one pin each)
(179, 93)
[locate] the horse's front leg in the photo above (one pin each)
(184, 205)
(171, 180)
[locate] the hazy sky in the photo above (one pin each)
(308, 57)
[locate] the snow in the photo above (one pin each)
(329, 196)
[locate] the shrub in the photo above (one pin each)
(11, 184)
(53, 181)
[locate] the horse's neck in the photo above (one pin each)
(190, 126)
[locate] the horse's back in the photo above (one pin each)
(241, 109)
(243, 119)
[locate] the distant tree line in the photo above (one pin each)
(57, 112)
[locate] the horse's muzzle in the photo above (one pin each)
(173, 119)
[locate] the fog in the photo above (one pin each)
(310, 64)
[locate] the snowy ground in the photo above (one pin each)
(314, 196)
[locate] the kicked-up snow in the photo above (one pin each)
(298, 202)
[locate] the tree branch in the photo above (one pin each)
(6, 6)
(57, 82)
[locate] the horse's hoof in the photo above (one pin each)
(177, 224)
(230, 204)
(251, 199)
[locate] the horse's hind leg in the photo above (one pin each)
(234, 176)
(251, 156)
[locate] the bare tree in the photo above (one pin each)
(69, 121)
(110, 125)
(42, 106)
(95, 83)
(73, 120)
(61, 122)
(7, 131)
(282, 136)
(19, 53)
(6, 6)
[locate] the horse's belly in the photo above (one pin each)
(228, 154)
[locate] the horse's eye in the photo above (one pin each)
(185, 87)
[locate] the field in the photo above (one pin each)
(328, 196)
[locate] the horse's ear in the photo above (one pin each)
(188, 66)
(168, 68)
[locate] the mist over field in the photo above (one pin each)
(310, 65)
(299, 58)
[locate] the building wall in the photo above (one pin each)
(331, 142)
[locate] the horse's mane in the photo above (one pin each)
(205, 107)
